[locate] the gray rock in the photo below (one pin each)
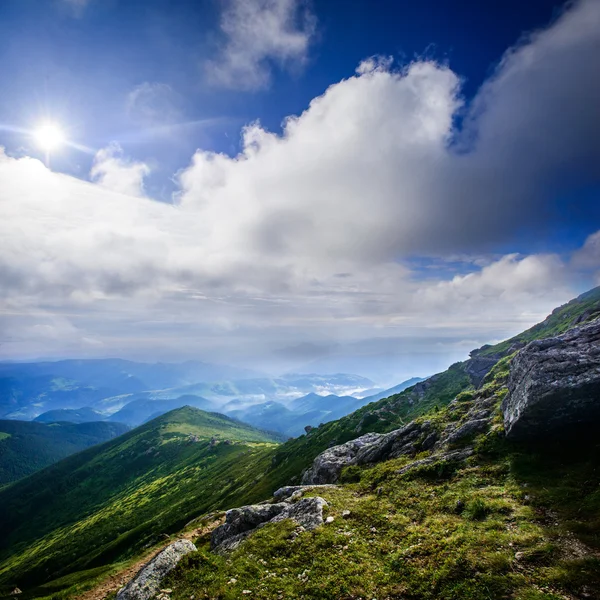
(467, 430)
(241, 522)
(307, 512)
(288, 491)
(147, 582)
(455, 456)
(371, 448)
(327, 467)
(554, 384)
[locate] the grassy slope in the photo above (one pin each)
(113, 499)
(514, 522)
(253, 474)
(26, 447)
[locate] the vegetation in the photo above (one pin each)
(512, 522)
(27, 447)
(577, 311)
(112, 500)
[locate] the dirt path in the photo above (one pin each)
(115, 582)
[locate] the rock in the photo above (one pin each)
(456, 456)
(345, 514)
(327, 467)
(468, 429)
(329, 520)
(241, 522)
(146, 583)
(238, 521)
(370, 448)
(477, 367)
(288, 491)
(554, 384)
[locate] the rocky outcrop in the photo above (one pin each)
(554, 384)
(241, 522)
(146, 583)
(457, 456)
(294, 492)
(327, 467)
(371, 448)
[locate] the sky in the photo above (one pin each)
(369, 187)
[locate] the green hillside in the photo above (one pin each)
(444, 531)
(26, 447)
(113, 499)
(512, 522)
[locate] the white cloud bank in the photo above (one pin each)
(258, 34)
(113, 171)
(302, 237)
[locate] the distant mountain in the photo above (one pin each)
(26, 447)
(291, 420)
(139, 411)
(29, 389)
(70, 415)
(94, 506)
(392, 391)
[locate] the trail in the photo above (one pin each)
(115, 582)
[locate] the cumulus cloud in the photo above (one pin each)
(258, 34)
(308, 235)
(113, 171)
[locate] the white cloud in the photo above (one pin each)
(303, 236)
(114, 172)
(257, 34)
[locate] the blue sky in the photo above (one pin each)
(241, 178)
(79, 62)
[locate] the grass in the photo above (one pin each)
(110, 502)
(513, 522)
(26, 447)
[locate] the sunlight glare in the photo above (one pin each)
(49, 136)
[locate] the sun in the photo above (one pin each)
(49, 136)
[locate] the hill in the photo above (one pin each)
(26, 447)
(111, 500)
(139, 411)
(444, 507)
(70, 415)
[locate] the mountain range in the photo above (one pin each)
(479, 482)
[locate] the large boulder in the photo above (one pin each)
(327, 467)
(241, 522)
(147, 582)
(554, 384)
(371, 448)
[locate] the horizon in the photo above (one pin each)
(286, 185)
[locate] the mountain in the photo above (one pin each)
(309, 410)
(26, 447)
(393, 390)
(29, 389)
(139, 411)
(434, 497)
(97, 505)
(70, 415)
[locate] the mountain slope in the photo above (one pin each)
(70, 415)
(139, 411)
(469, 532)
(112, 499)
(26, 447)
